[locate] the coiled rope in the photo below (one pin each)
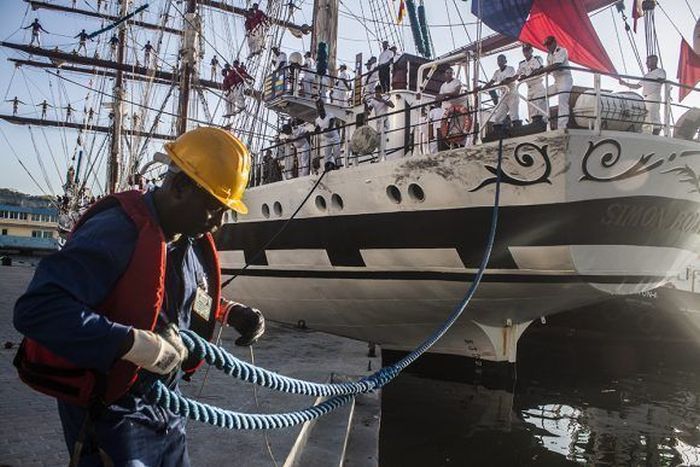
(342, 392)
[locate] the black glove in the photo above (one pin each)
(249, 322)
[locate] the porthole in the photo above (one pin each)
(320, 203)
(277, 207)
(394, 194)
(266, 211)
(337, 202)
(416, 192)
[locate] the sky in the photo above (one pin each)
(35, 161)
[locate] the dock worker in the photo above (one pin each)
(255, 22)
(527, 69)
(386, 59)
(36, 32)
(558, 64)
(330, 137)
(102, 316)
(82, 37)
(651, 84)
(380, 105)
(508, 106)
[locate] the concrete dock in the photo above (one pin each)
(30, 432)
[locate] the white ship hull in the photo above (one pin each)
(583, 216)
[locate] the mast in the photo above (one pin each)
(114, 165)
(325, 28)
(190, 53)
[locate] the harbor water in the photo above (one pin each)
(618, 396)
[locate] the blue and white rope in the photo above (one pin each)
(343, 392)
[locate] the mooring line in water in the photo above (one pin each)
(342, 392)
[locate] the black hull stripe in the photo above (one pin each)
(440, 276)
(639, 221)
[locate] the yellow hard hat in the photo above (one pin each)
(215, 159)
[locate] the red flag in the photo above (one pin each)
(402, 12)
(688, 69)
(567, 21)
(637, 12)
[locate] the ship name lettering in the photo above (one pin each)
(651, 217)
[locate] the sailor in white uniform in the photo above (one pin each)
(532, 65)
(380, 106)
(300, 139)
(505, 74)
(342, 87)
(651, 85)
(308, 74)
(557, 63)
(329, 137)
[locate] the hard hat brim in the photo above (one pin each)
(235, 204)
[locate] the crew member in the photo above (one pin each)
(380, 106)
(113, 43)
(371, 78)
(280, 58)
(450, 90)
(36, 32)
(435, 121)
(147, 52)
(15, 104)
(508, 106)
(342, 87)
(234, 88)
(558, 63)
(330, 137)
(44, 107)
(255, 22)
(651, 89)
(300, 135)
(308, 75)
(82, 37)
(214, 64)
(287, 152)
(69, 112)
(102, 316)
(537, 105)
(386, 59)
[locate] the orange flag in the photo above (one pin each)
(688, 69)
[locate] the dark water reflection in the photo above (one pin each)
(572, 403)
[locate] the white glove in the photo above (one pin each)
(155, 353)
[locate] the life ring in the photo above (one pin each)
(456, 124)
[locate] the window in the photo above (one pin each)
(3, 214)
(13, 215)
(4, 231)
(23, 216)
(47, 234)
(36, 233)
(36, 217)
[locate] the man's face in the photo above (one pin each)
(552, 46)
(200, 212)
(527, 53)
(385, 45)
(652, 62)
(502, 62)
(449, 74)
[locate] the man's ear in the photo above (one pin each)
(181, 186)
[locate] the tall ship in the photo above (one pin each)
(370, 207)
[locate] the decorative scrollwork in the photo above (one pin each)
(608, 153)
(525, 155)
(686, 175)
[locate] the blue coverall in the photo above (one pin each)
(58, 312)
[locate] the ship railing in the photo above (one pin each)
(297, 81)
(417, 129)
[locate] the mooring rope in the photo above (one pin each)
(343, 392)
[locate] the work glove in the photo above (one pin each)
(249, 322)
(156, 353)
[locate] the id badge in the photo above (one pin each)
(202, 304)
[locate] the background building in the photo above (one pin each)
(28, 224)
